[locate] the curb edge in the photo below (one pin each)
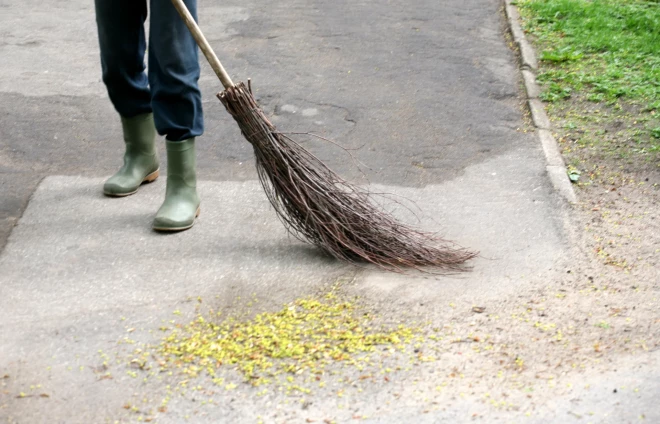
(555, 166)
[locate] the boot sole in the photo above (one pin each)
(148, 179)
(175, 229)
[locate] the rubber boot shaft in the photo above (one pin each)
(140, 159)
(181, 205)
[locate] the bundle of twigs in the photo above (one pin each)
(317, 205)
(314, 203)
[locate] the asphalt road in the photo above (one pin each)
(421, 90)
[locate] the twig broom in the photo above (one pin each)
(314, 203)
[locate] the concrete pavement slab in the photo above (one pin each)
(71, 233)
(78, 262)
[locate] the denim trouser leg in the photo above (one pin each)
(173, 72)
(120, 26)
(172, 91)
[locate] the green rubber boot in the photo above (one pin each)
(181, 205)
(140, 159)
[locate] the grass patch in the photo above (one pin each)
(608, 49)
(600, 63)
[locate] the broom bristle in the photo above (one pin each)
(318, 206)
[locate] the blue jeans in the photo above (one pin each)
(170, 91)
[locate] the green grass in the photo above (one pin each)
(608, 49)
(604, 52)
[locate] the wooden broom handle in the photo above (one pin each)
(202, 43)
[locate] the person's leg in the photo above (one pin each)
(177, 105)
(121, 35)
(174, 72)
(120, 25)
